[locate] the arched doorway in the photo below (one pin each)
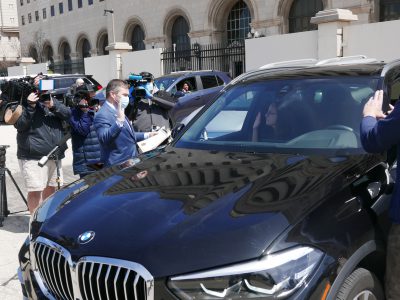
(34, 54)
(66, 58)
(238, 23)
(301, 13)
(102, 44)
(48, 55)
(389, 10)
(179, 33)
(85, 49)
(137, 38)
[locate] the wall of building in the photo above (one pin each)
(9, 40)
(276, 48)
(206, 18)
(99, 67)
(374, 40)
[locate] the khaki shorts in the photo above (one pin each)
(37, 178)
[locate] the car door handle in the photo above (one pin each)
(197, 98)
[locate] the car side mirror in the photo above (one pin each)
(177, 129)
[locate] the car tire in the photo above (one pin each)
(361, 284)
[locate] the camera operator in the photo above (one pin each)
(148, 115)
(40, 129)
(85, 143)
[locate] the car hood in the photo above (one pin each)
(184, 210)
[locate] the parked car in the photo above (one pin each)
(217, 214)
(203, 86)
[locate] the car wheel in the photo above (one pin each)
(361, 285)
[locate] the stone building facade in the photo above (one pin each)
(65, 30)
(9, 40)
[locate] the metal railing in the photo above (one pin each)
(226, 58)
(69, 66)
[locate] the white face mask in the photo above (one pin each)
(124, 101)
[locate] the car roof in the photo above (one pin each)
(361, 69)
(189, 73)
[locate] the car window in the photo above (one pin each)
(191, 81)
(64, 82)
(209, 81)
(220, 81)
(164, 83)
(291, 115)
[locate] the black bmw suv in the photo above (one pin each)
(296, 211)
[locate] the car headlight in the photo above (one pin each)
(274, 276)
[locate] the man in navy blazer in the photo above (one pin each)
(379, 132)
(116, 135)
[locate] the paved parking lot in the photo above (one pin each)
(15, 228)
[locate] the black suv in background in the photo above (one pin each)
(63, 83)
(297, 212)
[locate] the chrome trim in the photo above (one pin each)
(74, 292)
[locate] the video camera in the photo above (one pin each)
(85, 91)
(138, 82)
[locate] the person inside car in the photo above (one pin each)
(264, 126)
(185, 88)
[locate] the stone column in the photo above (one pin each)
(24, 62)
(330, 31)
(115, 51)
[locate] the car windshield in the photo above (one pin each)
(302, 115)
(164, 83)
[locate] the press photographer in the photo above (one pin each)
(145, 111)
(40, 130)
(13, 95)
(85, 144)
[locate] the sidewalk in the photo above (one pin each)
(15, 229)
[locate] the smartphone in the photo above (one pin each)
(386, 100)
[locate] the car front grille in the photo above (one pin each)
(90, 277)
(101, 281)
(54, 270)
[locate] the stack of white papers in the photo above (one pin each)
(154, 141)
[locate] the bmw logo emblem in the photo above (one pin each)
(86, 237)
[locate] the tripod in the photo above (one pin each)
(4, 212)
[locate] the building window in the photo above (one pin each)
(12, 20)
(22, 2)
(52, 11)
(29, 18)
(23, 20)
(44, 14)
(36, 15)
(238, 22)
(179, 35)
(86, 48)
(90, 2)
(137, 40)
(300, 14)
(69, 5)
(28, 1)
(79, 3)
(61, 7)
(389, 10)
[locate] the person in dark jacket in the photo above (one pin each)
(379, 132)
(85, 144)
(40, 130)
(148, 114)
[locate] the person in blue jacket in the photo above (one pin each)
(115, 132)
(85, 144)
(379, 132)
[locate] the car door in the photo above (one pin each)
(211, 87)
